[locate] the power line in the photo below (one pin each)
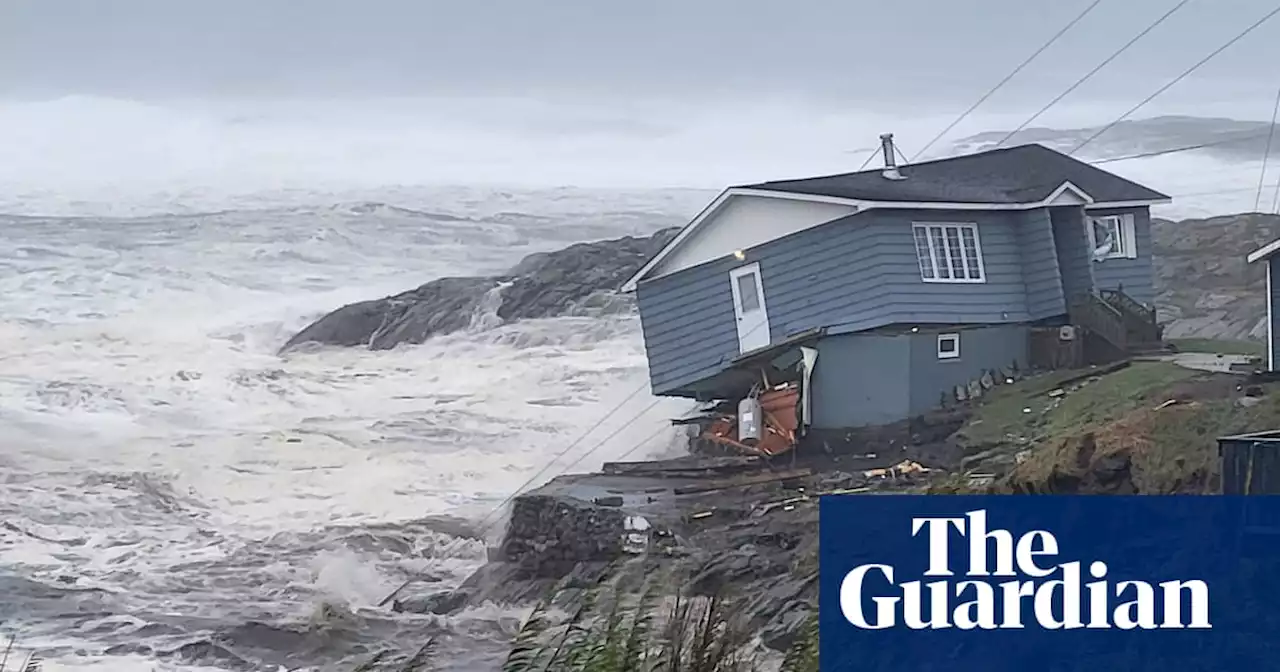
(1177, 79)
(870, 156)
(1094, 71)
(1008, 77)
(1266, 154)
(485, 523)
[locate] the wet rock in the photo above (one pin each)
(548, 535)
(546, 284)
(441, 603)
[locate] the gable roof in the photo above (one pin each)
(1021, 174)
(1009, 178)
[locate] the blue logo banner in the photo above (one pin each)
(1052, 583)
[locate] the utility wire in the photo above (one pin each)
(1266, 154)
(1008, 77)
(486, 523)
(1094, 71)
(1177, 79)
(870, 156)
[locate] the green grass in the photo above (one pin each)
(1023, 414)
(611, 631)
(1220, 346)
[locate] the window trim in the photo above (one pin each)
(933, 254)
(953, 337)
(1125, 232)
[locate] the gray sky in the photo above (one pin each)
(876, 54)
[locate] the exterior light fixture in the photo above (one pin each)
(737, 254)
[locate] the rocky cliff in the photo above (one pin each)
(578, 278)
(1205, 288)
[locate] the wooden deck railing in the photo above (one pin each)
(1139, 320)
(1090, 311)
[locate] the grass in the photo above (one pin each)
(1220, 346)
(610, 631)
(1023, 414)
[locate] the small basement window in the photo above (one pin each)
(948, 346)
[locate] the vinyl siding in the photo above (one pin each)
(1074, 255)
(688, 324)
(1134, 276)
(854, 273)
(1040, 270)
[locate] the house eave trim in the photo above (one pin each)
(862, 206)
(1265, 252)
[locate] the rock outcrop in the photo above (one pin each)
(578, 278)
(1204, 287)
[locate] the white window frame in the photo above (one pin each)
(1124, 232)
(955, 353)
(940, 259)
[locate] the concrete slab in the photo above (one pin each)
(1207, 361)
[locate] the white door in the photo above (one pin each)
(748, 307)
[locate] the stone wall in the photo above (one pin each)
(547, 534)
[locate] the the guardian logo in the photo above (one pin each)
(1012, 583)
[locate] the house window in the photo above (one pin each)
(949, 252)
(948, 346)
(749, 292)
(1112, 237)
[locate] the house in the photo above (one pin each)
(1268, 253)
(883, 291)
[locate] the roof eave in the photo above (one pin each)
(1265, 252)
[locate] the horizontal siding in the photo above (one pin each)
(1040, 270)
(1134, 276)
(688, 324)
(1074, 255)
(857, 272)
(863, 270)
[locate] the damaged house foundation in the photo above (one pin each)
(868, 298)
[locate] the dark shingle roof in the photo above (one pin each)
(1022, 174)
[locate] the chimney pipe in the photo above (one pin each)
(890, 171)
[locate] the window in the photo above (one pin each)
(1112, 237)
(748, 293)
(949, 252)
(948, 346)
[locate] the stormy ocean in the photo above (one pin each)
(175, 495)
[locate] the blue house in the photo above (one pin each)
(885, 290)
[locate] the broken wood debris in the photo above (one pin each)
(684, 467)
(725, 483)
(902, 468)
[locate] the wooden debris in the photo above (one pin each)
(683, 467)
(725, 483)
(900, 469)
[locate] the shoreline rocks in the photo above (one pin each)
(579, 278)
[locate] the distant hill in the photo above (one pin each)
(1231, 139)
(1204, 287)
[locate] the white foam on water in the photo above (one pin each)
(156, 448)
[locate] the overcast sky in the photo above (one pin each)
(877, 54)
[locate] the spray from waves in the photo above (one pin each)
(201, 498)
